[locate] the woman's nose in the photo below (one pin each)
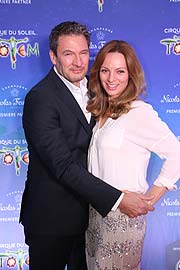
(111, 77)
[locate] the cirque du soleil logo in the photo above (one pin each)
(12, 47)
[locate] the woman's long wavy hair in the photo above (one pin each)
(100, 105)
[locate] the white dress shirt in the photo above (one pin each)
(79, 93)
(119, 152)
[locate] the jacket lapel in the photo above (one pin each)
(70, 101)
(92, 122)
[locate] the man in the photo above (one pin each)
(59, 188)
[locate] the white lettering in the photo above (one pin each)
(21, 2)
(8, 245)
(7, 208)
(169, 202)
(5, 2)
(18, 102)
(5, 102)
(5, 142)
(8, 114)
(3, 32)
(173, 111)
(26, 33)
(168, 99)
(172, 30)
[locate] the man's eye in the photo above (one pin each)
(68, 53)
(85, 53)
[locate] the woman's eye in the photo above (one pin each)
(120, 71)
(103, 70)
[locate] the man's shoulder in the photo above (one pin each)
(46, 84)
(47, 79)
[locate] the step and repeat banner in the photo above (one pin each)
(153, 29)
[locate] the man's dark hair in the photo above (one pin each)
(67, 28)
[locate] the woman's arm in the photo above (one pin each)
(157, 192)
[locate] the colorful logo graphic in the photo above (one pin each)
(14, 258)
(100, 5)
(178, 265)
(172, 45)
(14, 155)
(11, 47)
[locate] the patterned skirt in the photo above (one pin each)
(114, 242)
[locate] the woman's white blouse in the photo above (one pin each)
(119, 152)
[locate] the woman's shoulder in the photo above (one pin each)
(143, 110)
(141, 105)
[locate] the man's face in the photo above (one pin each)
(72, 57)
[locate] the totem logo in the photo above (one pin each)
(14, 259)
(100, 5)
(12, 47)
(178, 265)
(14, 155)
(172, 45)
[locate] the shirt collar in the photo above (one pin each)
(73, 88)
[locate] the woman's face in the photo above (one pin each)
(114, 74)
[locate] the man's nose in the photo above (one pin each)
(77, 60)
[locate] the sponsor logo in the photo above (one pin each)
(12, 100)
(173, 204)
(10, 206)
(99, 36)
(170, 100)
(170, 202)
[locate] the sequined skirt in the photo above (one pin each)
(114, 242)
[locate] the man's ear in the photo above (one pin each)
(52, 57)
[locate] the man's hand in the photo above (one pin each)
(135, 204)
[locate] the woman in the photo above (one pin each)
(126, 132)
